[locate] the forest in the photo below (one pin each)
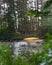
(20, 19)
(25, 32)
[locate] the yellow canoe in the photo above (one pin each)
(31, 38)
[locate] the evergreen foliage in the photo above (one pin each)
(44, 12)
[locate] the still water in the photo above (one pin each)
(28, 45)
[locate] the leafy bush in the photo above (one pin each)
(42, 56)
(5, 35)
(5, 54)
(43, 29)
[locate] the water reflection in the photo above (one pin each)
(27, 45)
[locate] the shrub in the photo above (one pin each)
(44, 56)
(5, 35)
(5, 54)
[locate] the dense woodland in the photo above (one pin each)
(18, 20)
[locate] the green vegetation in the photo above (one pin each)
(44, 12)
(10, 32)
(10, 28)
(46, 18)
(15, 24)
(5, 55)
(42, 56)
(5, 35)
